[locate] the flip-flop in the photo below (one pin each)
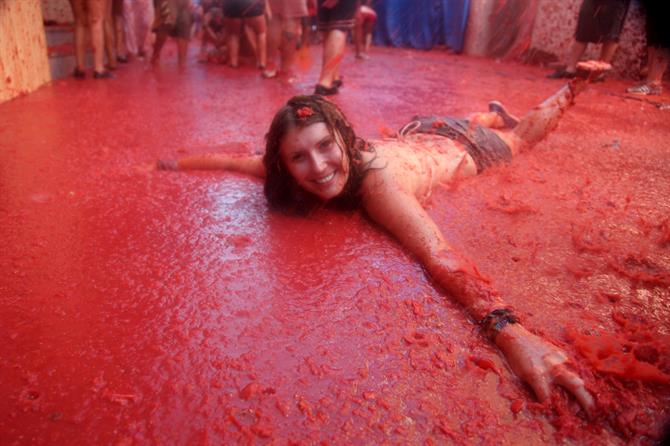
(325, 91)
(269, 74)
(510, 120)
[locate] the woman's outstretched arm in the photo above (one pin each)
(538, 362)
(247, 164)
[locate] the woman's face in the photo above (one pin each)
(315, 160)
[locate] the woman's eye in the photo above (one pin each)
(326, 144)
(296, 157)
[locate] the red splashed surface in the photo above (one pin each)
(144, 307)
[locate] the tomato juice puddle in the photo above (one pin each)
(152, 307)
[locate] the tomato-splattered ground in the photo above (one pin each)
(144, 307)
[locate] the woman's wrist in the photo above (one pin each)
(167, 164)
(509, 336)
(496, 321)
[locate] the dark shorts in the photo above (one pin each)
(482, 144)
(601, 20)
(340, 17)
(239, 9)
(656, 24)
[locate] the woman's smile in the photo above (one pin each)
(315, 160)
(325, 179)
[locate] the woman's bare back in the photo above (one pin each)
(418, 163)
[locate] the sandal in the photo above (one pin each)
(269, 74)
(510, 121)
(337, 83)
(646, 89)
(325, 91)
(102, 75)
(562, 74)
(79, 74)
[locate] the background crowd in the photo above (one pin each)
(270, 33)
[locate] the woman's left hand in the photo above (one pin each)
(541, 364)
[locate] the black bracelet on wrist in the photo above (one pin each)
(167, 164)
(494, 322)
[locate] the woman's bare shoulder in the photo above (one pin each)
(381, 168)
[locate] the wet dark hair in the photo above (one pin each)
(281, 190)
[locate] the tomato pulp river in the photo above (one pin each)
(146, 307)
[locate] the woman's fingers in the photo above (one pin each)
(574, 384)
(540, 386)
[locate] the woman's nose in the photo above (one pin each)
(318, 162)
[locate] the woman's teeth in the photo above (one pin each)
(325, 179)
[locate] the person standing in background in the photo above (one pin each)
(658, 48)
(109, 29)
(172, 18)
(599, 21)
(284, 29)
(239, 13)
(335, 20)
(366, 17)
(90, 13)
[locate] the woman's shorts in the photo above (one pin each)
(240, 9)
(482, 144)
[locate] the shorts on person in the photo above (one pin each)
(601, 20)
(656, 23)
(482, 144)
(241, 9)
(339, 17)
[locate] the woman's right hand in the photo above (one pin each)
(541, 364)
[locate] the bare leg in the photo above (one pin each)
(291, 35)
(161, 37)
(182, 50)
(291, 30)
(96, 11)
(658, 65)
(79, 33)
(542, 119)
(368, 42)
(250, 35)
(143, 12)
(644, 71)
(576, 53)
(260, 29)
(121, 46)
(202, 57)
(334, 45)
(110, 34)
(608, 50)
(273, 43)
(365, 24)
(233, 30)
(130, 38)
(358, 35)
